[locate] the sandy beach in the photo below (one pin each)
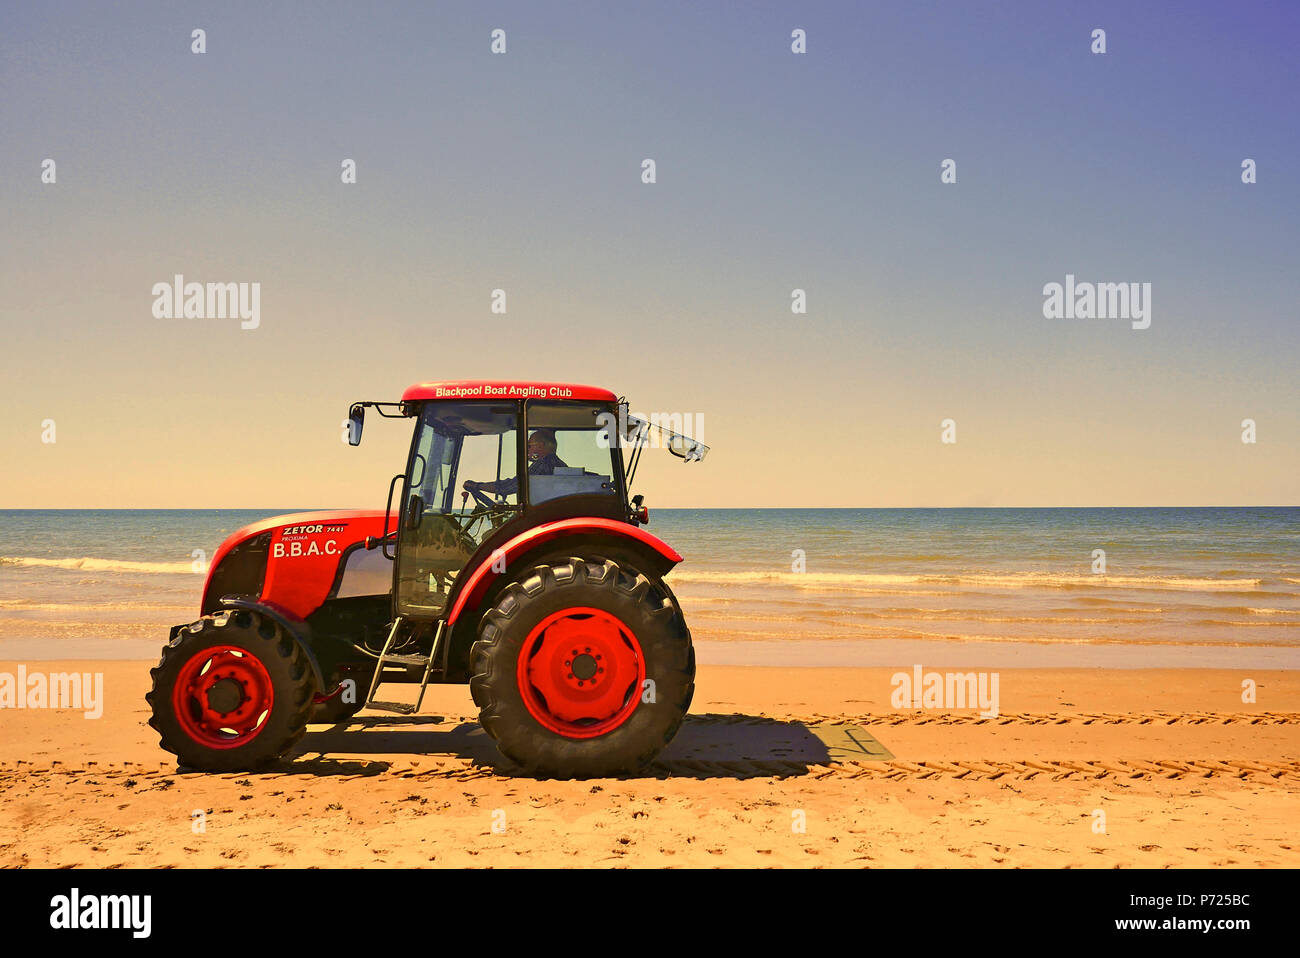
(794, 767)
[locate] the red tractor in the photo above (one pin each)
(543, 593)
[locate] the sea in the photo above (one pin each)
(773, 585)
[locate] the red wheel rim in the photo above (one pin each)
(223, 697)
(580, 672)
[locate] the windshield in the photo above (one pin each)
(465, 441)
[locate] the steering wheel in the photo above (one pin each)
(481, 499)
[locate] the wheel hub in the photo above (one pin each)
(584, 666)
(223, 697)
(580, 672)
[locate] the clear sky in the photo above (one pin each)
(775, 171)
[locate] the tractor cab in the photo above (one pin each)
(477, 467)
(472, 478)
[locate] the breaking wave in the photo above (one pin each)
(88, 564)
(1019, 580)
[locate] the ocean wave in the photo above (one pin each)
(35, 605)
(88, 564)
(812, 614)
(1018, 580)
(884, 633)
(886, 583)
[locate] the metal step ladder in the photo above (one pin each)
(388, 657)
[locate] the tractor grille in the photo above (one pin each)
(242, 572)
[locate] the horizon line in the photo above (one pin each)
(275, 510)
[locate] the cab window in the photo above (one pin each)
(568, 451)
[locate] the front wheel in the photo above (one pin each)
(232, 692)
(583, 668)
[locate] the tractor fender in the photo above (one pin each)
(480, 579)
(299, 630)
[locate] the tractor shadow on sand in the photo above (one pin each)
(706, 746)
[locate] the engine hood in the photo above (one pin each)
(311, 541)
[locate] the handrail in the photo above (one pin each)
(388, 510)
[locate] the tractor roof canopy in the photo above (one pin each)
(505, 389)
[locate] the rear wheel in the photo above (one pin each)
(582, 668)
(232, 692)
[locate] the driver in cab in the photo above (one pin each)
(542, 461)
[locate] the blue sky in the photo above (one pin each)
(775, 171)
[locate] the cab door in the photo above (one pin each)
(439, 528)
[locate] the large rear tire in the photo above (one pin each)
(582, 668)
(232, 692)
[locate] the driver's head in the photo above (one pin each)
(541, 442)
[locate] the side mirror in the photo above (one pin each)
(357, 421)
(414, 511)
(684, 447)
